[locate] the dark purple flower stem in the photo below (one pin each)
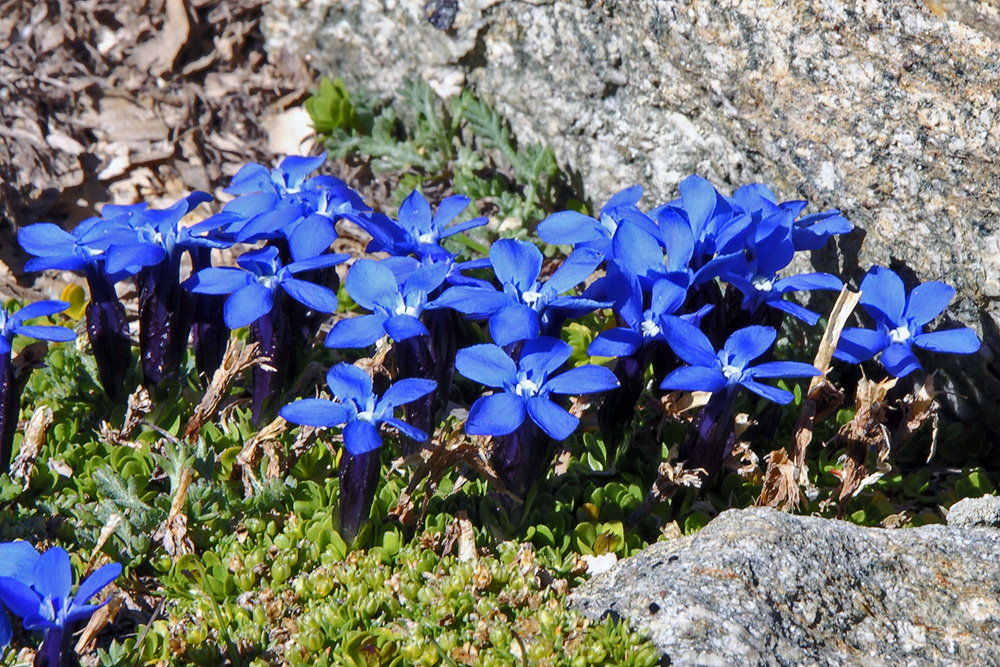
(711, 436)
(10, 408)
(107, 330)
(359, 478)
(56, 650)
(209, 333)
(520, 458)
(273, 333)
(165, 318)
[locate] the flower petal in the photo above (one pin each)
(218, 280)
(899, 360)
(775, 394)
(809, 282)
(17, 560)
(476, 302)
(402, 327)
(617, 342)
(544, 355)
(578, 267)
(370, 284)
(498, 414)
(411, 432)
(516, 263)
(748, 343)
(361, 437)
(18, 597)
(857, 345)
(406, 390)
(310, 237)
(486, 364)
(883, 296)
(356, 332)
(695, 378)
(586, 379)
(348, 382)
(317, 412)
(688, 342)
(955, 341)
(317, 297)
(513, 323)
(53, 575)
(93, 584)
(57, 334)
(415, 213)
(38, 309)
(783, 369)
(795, 310)
(247, 304)
(569, 228)
(448, 209)
(460, 227)
(927, 301)
(551, 418)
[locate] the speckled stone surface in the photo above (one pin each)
(975, 513)
(886, 109)
(761, 587)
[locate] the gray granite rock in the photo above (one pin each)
(975, 513)
(887, 110)
(761, 587)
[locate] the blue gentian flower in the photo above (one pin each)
(417, 232)
(809, 232)
(730, 368)
(899, 324)
(768, 250)
(525, 308)
(17, 560)
(107, 323)
(526, 386)
(13, 324)
(361, 412)
(582, 231)
(254, 286)
(44, 601)
(396, 301)
(358, 408)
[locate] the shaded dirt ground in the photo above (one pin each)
(132, 100)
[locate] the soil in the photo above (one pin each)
(125, 101)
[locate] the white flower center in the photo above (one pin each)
(731, 371)
(268, 281)
(531, 297)
(366, 416)
(649, 328)
(525, 387)
(403, 308)
(428, 237)
(899, 334)
(762, 284)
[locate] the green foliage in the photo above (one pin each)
(462, 142)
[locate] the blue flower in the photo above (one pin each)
(43, 598)
(809, 232)
(13, 324)
(643, 325)
(358, 408)
(525, 386)
(518, 312)
(583, 231)
(729, 368)
(395, 299)
(899, 324)
(253, 287)
(768, 249)
(417, 231)
(17, 560)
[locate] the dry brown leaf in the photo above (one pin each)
(101, 618)
(172, 533)
(261, 443)
(918, 409)
(865, 433)
(159, 55)
(781, 485)
(466, 538)
(238, 358)
(31, 445)
(669, 478)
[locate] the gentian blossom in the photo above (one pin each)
(361, 412)
(525, 307)
(17, 560)
(44, 602)
(13, 324)
(899, 324)
(582, 231)
(526, 386)
(396, 302)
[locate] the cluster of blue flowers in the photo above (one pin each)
(695, 285)
(37, 588)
